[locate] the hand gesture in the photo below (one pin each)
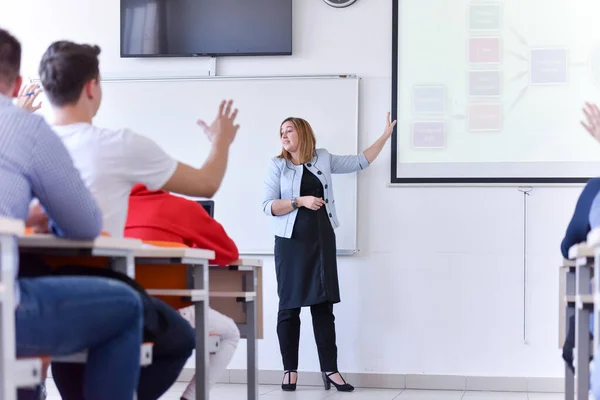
(311, 202)
(38, 220)
(592, 116)
(389, 126)
(27, 96)
(222, 128)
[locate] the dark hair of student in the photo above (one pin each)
(66, 67)
(10, 58)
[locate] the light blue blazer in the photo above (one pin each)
(284, 178)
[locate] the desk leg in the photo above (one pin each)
(571, 290)
(124, 265)
(569, 384)
(582, 335)
(250, 284)
(8, 262)
(252, 350)
(200, 281)
(569, 375)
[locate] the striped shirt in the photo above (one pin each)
(34, 163)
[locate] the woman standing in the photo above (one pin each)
(299, 196)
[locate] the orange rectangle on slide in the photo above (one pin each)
(485, 117)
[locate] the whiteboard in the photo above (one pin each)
(166, 111)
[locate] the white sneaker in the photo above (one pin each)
(190, 391)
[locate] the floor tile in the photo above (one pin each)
(476, 395)
(301, 393)
(274, 392)
(546, 396)
(430, 395)
(367, 394)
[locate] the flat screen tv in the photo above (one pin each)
(192, 28)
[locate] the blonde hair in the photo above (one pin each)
(306, 140)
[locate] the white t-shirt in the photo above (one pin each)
(111, 163)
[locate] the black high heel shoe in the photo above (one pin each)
(346, 387)
(289, 387)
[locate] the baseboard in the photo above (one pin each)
(398, 381)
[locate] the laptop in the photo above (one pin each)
(209, 206)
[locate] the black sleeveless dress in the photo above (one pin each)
(306, 264)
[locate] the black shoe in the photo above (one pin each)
(346, 387)
(289, 387)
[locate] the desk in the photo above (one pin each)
(178, 275)
(13, 373)
(593, 239)
(114, 253)
(236, 291)
(584, 263)
(118, 251)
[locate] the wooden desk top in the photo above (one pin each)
(100, 243)
(233, 295)
(11, 226)
(241, 264)
(247, 262)
(581, 250)
(194, 294)
(585, 299)
(149, 251)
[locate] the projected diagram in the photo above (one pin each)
(486, 106)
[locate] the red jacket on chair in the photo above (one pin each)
(160, 216)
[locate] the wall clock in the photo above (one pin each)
(339, 3)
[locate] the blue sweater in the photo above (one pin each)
(579, 226)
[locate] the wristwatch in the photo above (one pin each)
(294, 204)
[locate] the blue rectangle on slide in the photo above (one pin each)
(484, 83)
(429, 99)
(548, 66)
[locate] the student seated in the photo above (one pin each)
(111, 162)
(577, 231)
(592, 125)
(594, 221)
(58, 316)
(579, 226)
(159, 216)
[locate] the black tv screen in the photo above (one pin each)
(185, 28)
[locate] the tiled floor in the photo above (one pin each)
(238, 392)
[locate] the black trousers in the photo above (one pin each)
(288, 331)
(172, 348)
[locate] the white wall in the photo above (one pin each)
(437, 286)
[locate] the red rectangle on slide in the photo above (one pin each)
(484, 50)
(485, 117)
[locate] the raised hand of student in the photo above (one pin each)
(38, 220)
(223, 128)
(592, 122)
(27, 97)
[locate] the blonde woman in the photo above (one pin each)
(299, 196)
